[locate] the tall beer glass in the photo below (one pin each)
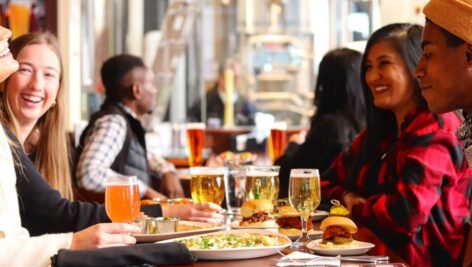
(195, 139)
(277, 140)
(19, 17)
(122, 200)
(262, 182)
(207, 184)
(304, 195)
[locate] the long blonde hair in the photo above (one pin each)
(52, 149)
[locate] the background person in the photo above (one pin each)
(244, 111)
(339, 117)
(113, 142)
(405, 176)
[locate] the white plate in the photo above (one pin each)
(359, 248)
(206, 228)
(235, 225)
(313, 234)
(319, 215)
(236, 253)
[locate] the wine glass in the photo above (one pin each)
(304, 195)
(122, 200)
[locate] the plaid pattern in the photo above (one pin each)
(417, 189)
(101, 147)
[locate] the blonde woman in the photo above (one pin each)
(34, 107)
(17, 248)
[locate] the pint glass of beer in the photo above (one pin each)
(207, 184)
(262, 182)
(19, 13)
(122, 200)
(195, 139)
(277, 140)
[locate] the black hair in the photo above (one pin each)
(338, 86)
(113, 73)
(452, 40)
(405, 38)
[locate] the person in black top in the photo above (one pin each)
(43, 210)
(244, 110)
(339, 116)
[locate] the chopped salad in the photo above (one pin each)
(231, 240)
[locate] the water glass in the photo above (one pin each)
(235, 187)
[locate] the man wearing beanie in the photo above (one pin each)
(445, 76)
(445, 69)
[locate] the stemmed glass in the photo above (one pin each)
(122, 200)
(304, 195)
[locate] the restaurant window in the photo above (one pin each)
(271, 46)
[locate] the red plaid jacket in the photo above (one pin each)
(417, 187)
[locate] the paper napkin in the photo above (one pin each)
(298, 258)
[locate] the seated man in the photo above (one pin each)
(113, 142)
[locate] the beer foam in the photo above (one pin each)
(279, 125)
(262, 173)
(304, 175)
(119, 184)
(207, 170)
(195, 125)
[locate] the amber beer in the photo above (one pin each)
(195, 139)
(262, 183)
(19, 13)
(277, 140)
(207, 184)
(122, 200)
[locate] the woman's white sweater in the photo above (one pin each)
(17, 248)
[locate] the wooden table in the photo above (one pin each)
(363, 234)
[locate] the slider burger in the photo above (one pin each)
(337, 232)
(289, 221)
(257, 213)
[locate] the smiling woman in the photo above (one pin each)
(34, 104)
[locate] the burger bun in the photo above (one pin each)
(290, 231)
(252, 206)
(264, 224)
(340, 221)
(288, 211)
